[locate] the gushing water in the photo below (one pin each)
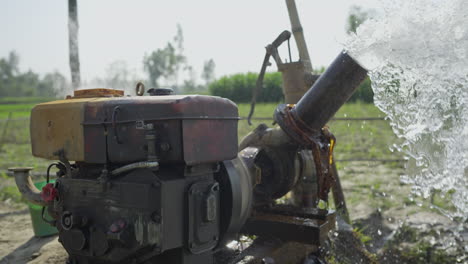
(417, 54)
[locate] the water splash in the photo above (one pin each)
(417, 54)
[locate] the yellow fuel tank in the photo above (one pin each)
(57, 127)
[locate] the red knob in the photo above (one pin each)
(49, 193)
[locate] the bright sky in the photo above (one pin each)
(233, 33)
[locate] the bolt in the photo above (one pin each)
(156, 217)
(268, 260)
(165, 146)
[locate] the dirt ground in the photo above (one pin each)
(17, 241)
(377, 202)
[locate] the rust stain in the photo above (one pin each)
(97, 92)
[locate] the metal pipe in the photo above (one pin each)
(26, 185)
(334, 87)
(263, 136)
(136, 165)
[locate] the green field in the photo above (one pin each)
(16, 110)
(19, 107)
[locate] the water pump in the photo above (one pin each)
(161, 179)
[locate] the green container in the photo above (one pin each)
(40, 227)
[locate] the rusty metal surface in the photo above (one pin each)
(309, 226)
(321, 142)
(97, 92)
(279, 172)
(193, 129)
(294, 81)
(305, 192)
(263, 136)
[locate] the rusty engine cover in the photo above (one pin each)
(108, 208)
(192, 129)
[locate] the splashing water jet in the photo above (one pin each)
(417, 54)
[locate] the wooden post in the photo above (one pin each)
(73, 43)
(299, 35)
(5, 129)
(338, 196)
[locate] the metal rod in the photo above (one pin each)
(136, 165)
(5, 130)
(338, 196)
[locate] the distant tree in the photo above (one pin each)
(166, 62)
(117, 75)
(9, 66)
(179, 57)
(55, 83)
(208, 74)
(190, 85)
(12, 82)
(15, 83)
